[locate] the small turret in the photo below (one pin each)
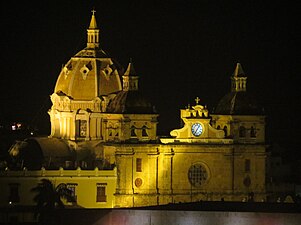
(239, 79)
(130, 78)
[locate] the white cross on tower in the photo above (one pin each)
(93, 11)
(197, 100)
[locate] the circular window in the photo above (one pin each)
(197, 175)
(247, 181)
(138, 182)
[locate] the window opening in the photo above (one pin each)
(242, 131)
(81, 128)
(14, 193)
(72, 188)
(253, 132)
(226, 131)
(133, 132)
(197, 175)
(247, 165)
(101, 192)
(138, 165)
(144, 132)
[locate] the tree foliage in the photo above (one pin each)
(49, 197)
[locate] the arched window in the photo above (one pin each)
(81, 128)
(225, 130)
(144, 132)
(253, 132)
(242, 131)
(218, 127)
(133, 132)
(247, 165)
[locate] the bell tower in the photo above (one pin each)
(197, 127)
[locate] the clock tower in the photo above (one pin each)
(197, 125)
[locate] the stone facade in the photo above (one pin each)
(191, 167)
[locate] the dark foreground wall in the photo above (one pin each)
(200, 213)
(203, 213)
(154, 217)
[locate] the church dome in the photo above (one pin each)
(238, 101)
(131, 102)
(91, 72)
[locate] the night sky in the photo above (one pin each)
(180, 49)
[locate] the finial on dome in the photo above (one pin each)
(93, 32)
(93, 24)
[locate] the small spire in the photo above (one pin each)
(238, 72)
(130, 71)
(130, 78)
(93, 24)
(239, 79)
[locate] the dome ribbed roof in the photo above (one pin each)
(91, 72)
(130, 102)
(238, 103)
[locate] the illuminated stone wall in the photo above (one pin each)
(85, 182)
(167, 174)
(254, 127)
(200, 162)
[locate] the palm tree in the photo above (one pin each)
(49, 198)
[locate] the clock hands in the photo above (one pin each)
(196, 129)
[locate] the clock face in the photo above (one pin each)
(197, 129)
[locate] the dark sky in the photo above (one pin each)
(180, 49)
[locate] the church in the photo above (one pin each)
(104, 145)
